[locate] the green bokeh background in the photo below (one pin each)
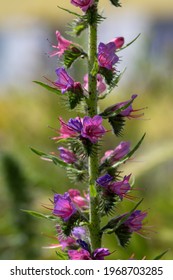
(27, 112)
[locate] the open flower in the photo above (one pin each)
(106, 55)
(120, 188)
(62, 46)
(83, 4)
(63, 206)
(92, 128)
(86, 128)
(66, 83)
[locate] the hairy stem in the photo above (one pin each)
(94, 226)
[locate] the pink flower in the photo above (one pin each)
(65, 131)
(77, 199)
(92, 128)
(118, 41)
(62, 46)
(83, 4)
(79, 254)
(101, 86)
(64, 81)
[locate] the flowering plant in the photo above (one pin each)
(78, 217)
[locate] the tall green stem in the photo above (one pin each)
(94, 226)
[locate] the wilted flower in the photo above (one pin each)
(118, 41)
(62, 46)
(63, 206)
(117, 154)
(92, 128)
(101, 86)
(83, 4)
(100, 253)
(106, 55)
(66, 155)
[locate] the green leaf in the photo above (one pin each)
(74, 99)
(68, 11)
(161, 255)
(61, 255)
(49, 88)
(108, 74)
(40, 215)
(70, 55)
(117, 124)
(131, 42)
(116, 3)
(78, 25)
(52, 158)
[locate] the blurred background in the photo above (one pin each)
(27, 30)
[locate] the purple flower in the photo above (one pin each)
(79, 232)
(62, 46)
(118, 41)
(87, 127)
(76, 124)
(79, 254)
(128, 111)
(64, 81)
(101, 86)
(66, 155)
(92, 128)
(134, 222)
(100, 253)
(63, 206)
(118, 153)
(106, 55)
(104, 180)
(83, 4)
(120, 188)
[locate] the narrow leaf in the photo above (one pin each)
(93, 191)
(49, 88)
(161, 255)
(116, 3)
(40, 215)
(68, 11)
(127, 45)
